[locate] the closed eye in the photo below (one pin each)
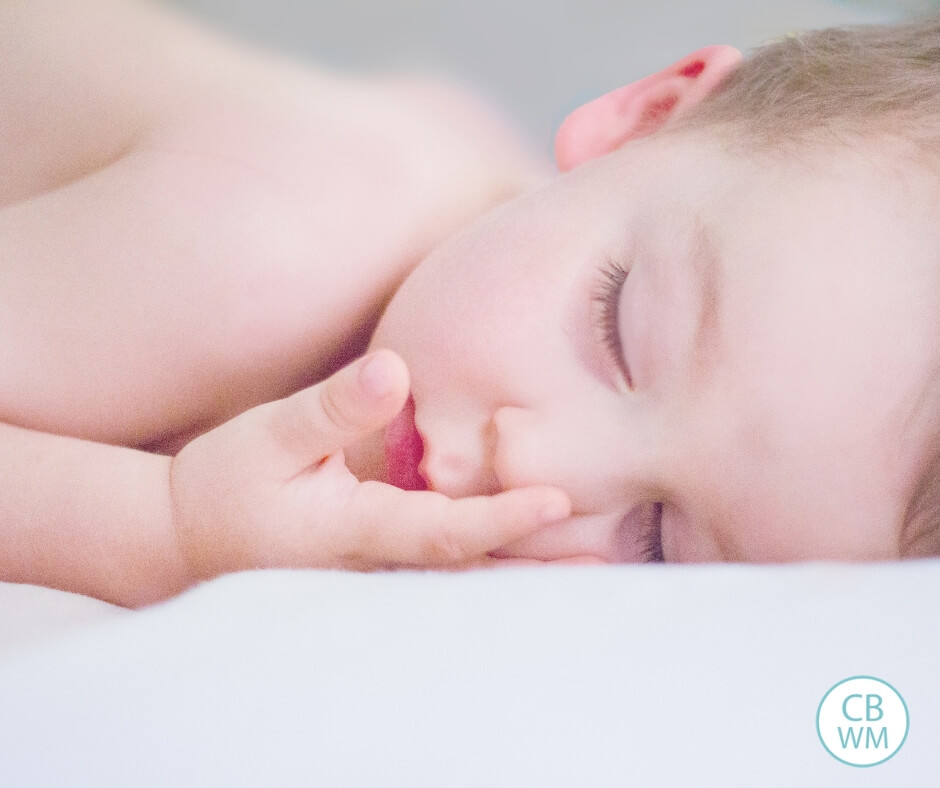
(652, 537)
(606, 299)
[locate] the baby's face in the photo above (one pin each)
(775, 326)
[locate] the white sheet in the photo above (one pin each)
(32, 614)
(579, 676)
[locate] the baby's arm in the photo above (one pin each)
(87, 517)
(187, 230)
(266, 489)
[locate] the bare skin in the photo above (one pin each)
(205, 242)
(191, 229)
(193, 243)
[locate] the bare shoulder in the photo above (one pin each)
(458, 135)
(196, 227)
(77, 86)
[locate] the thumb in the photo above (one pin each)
(357, 400)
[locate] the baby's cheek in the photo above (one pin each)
(690, 541)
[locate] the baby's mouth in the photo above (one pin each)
(404, 450)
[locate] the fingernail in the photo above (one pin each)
(375, 379)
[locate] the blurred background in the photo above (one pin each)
(537, 59)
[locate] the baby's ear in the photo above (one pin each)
(640, 108)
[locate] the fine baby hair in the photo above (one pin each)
(834, 85)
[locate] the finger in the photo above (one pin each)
(579, 560)
(484, 562)
(570, 560)
(488, 562)
(429, 529)
(314, 423)
(491, 562)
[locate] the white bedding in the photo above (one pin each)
(580, 676)
(31, 614)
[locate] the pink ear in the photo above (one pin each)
(642, 107)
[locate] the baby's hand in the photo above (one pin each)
(270, 488)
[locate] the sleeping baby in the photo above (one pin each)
(718, 330)
(257, 315)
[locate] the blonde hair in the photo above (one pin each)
(865, 82)
(856, 84)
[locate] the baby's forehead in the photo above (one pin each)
(859, 180)
(901, 166)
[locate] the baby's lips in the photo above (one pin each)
(404, 450)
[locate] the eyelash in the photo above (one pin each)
(606, 297)
(651, 539)
(612, 278)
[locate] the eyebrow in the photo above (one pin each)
(708, 275)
